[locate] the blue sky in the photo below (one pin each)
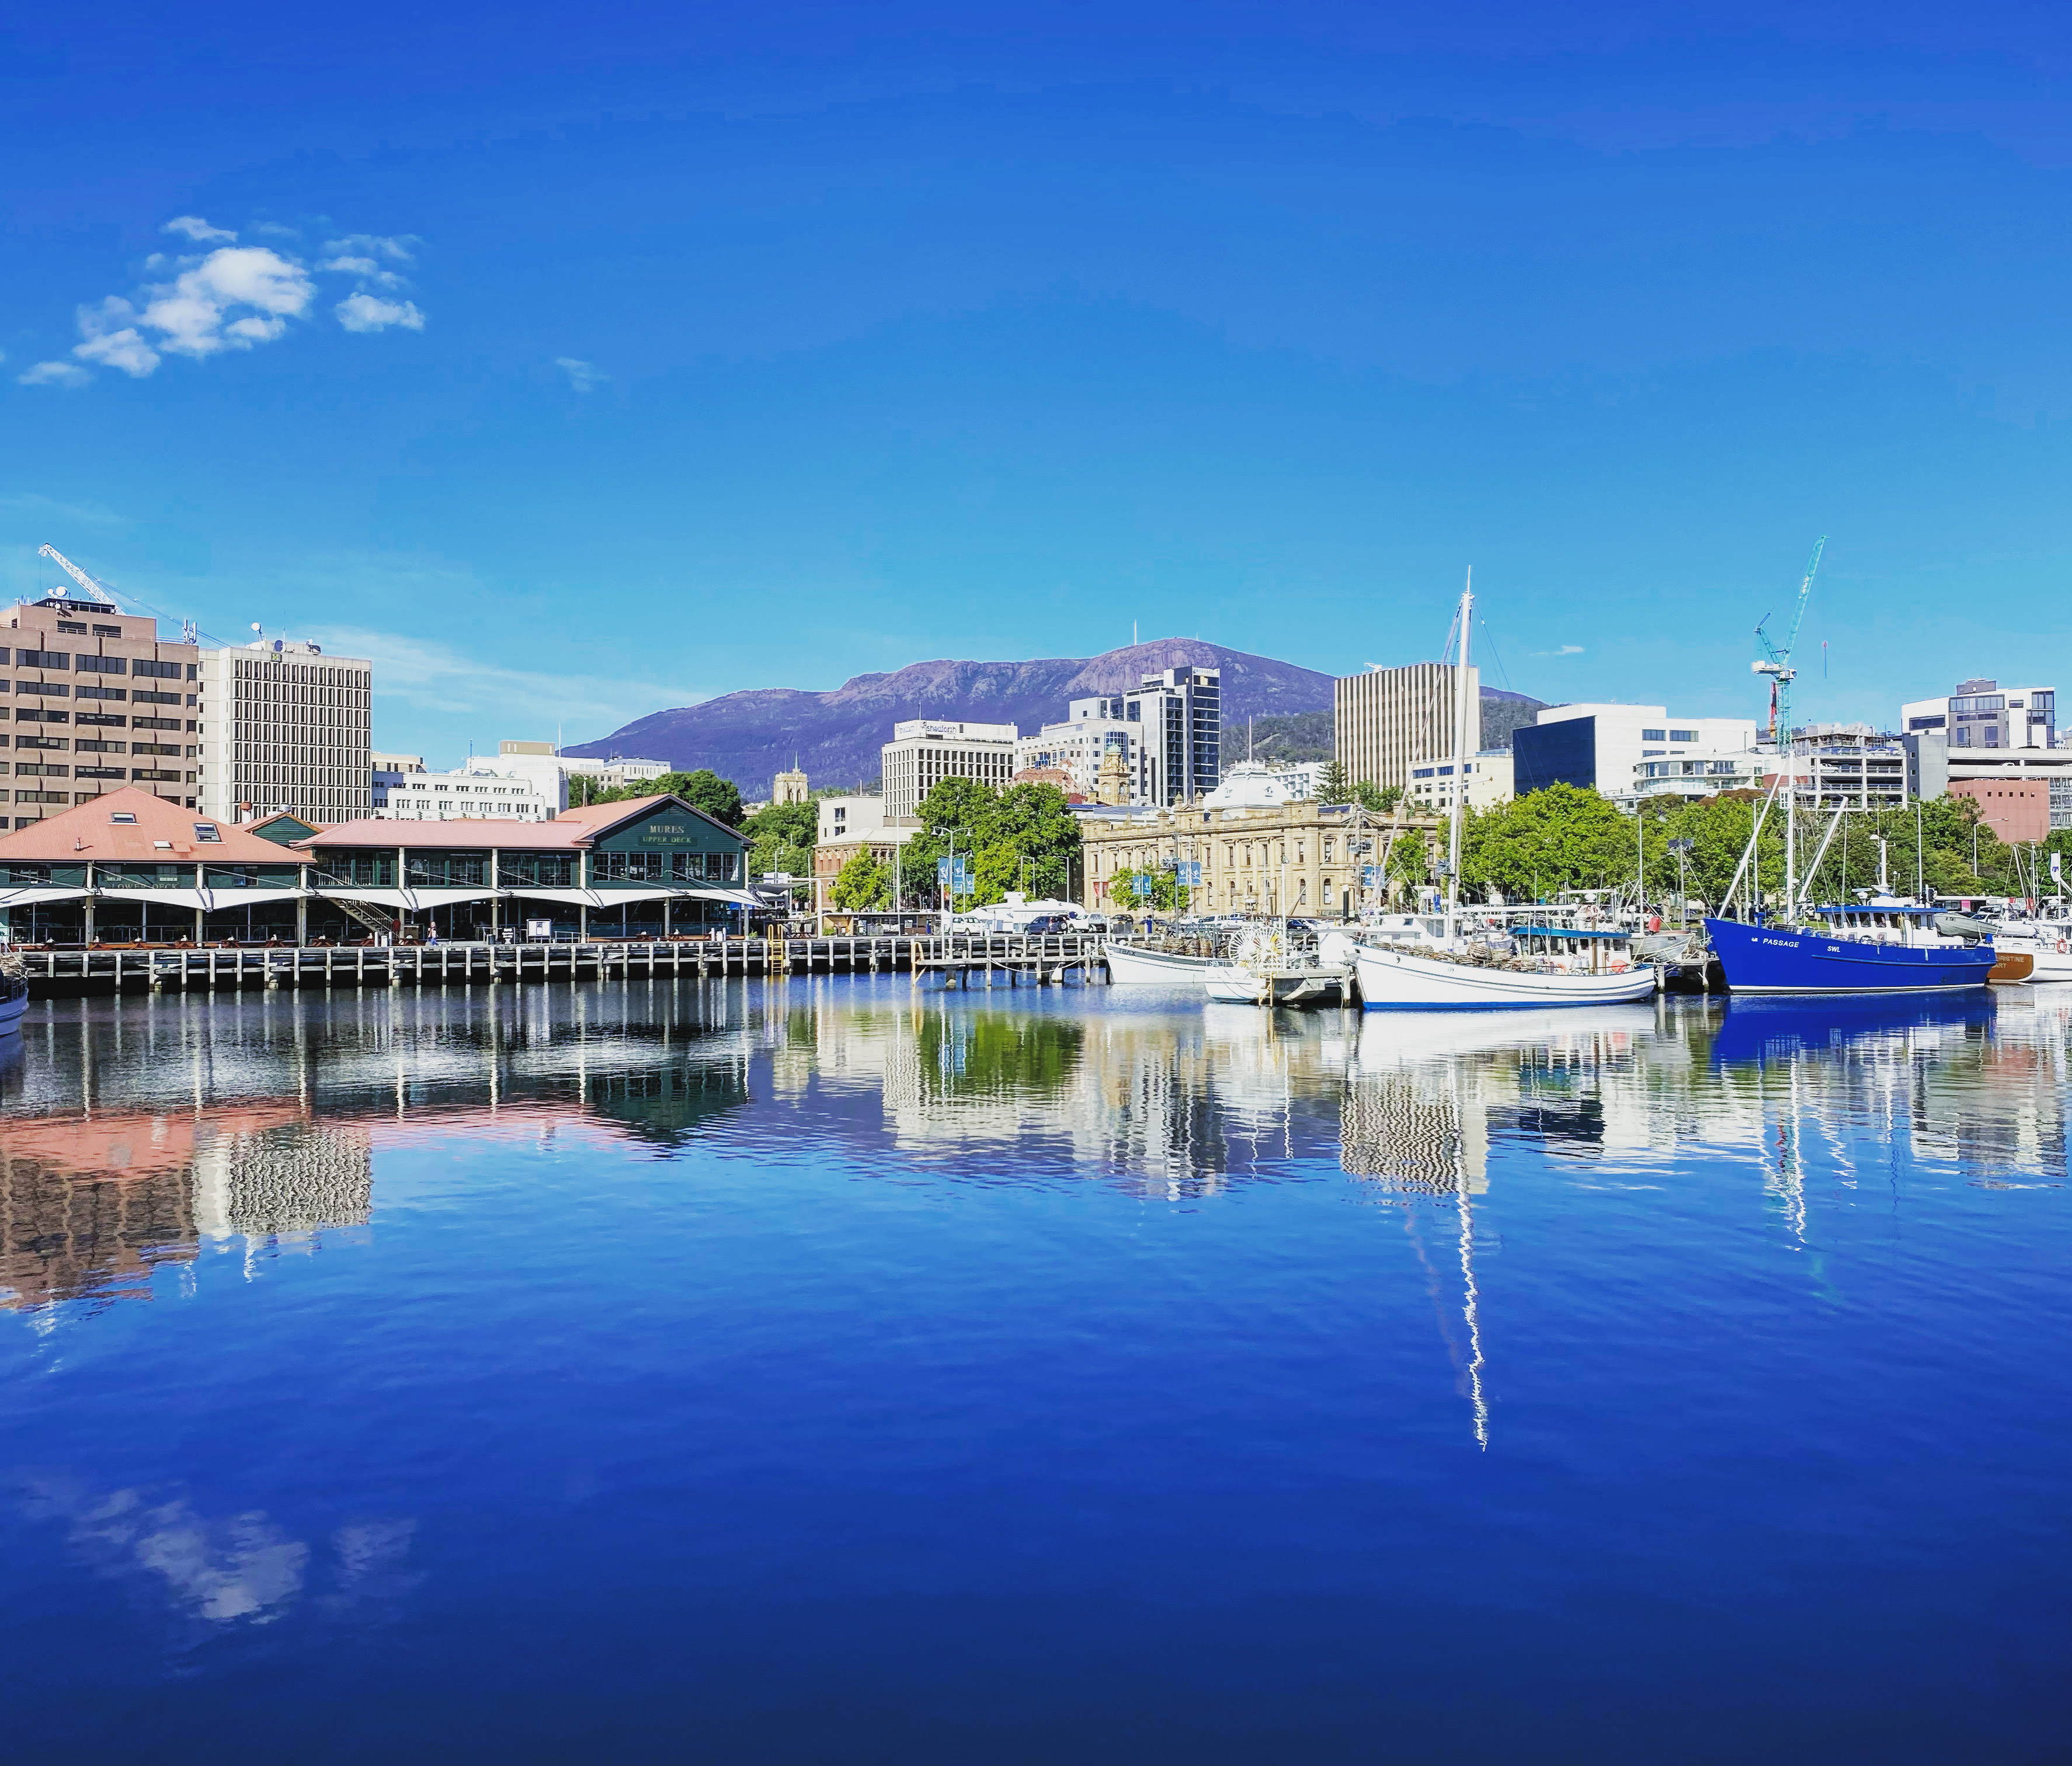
(574, 362)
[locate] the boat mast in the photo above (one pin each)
(1460, 756)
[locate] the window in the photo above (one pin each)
(44, 659)
(206, 832)
(1653, 736)
(100, 665)
(86, 691)
(164, 671)
(143, 695)
(50, 689)
(1682, 735)
(123, 819)
(107, 631)
(77, 626)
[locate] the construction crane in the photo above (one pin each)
(1777, 664)
(96, 589)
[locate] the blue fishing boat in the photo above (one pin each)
(1881, 947)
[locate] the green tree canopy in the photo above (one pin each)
(705, 789)
(784, 836)
(1024, 838)
(1530, 848)
(861, 885)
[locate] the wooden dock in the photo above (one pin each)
(147, 969)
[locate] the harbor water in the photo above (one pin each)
(829, 1369)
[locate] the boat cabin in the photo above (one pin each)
(1568, 950)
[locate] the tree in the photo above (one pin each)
(1159, 891)
(1564, 837)
(862, 884)
(1377, 799)
(1024, 838)
(1332, 785)
(705, 790)
(784, 836)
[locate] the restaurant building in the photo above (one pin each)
(131, 867)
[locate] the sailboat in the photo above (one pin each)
(1533, 966)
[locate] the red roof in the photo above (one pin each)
(160, 832)
(553, 836)
(572, 830)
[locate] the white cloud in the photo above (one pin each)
(430, 677)
(193, 227)
(364, 312)
(396, 249)
(233, 297)
(584, 376)
(55, 374)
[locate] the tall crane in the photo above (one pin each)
(1777, 664)
(96, 589)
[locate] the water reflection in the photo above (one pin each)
(138, 1131)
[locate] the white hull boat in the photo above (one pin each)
(1398, 979)
(2048, 943)
(1136, 965)
(1233, 983)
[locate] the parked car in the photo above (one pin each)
(1045, 924)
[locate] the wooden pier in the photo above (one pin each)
(160, 968)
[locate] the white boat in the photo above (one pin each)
(14, 995)
(1553, 967)
(1266, 969)
(1141, 965)
(2048, 943)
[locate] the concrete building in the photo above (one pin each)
(1088, 745)
(1602, 746)
(1848, 766)
(285, 726)
(790, 788)
(2017, 810)
(1432, 782)
(924, 751)
(1387, 720)
(406, 792)
(1293, 856)
(547, 771)
(99, 703)
(1986, 733)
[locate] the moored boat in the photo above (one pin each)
(1877, 947)
(13, 993)
(1546, 966)
(1143, 965)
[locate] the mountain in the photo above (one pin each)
(749, 737)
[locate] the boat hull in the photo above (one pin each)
(2049, 963)
(1228, 984)
(1130, 965)
(1774, 960)
(11, 1008)
(1397, 980)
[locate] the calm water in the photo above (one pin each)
(818, 1371)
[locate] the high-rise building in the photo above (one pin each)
(1388, 719)
(285, 726)
(1164, 735)
(98, 703)
(924, 751)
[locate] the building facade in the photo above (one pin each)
(1433, 782)
(1847, 766)
(2017, 810)
(1296, 856)
(285, 726)
(849, 825)
(134, 869)
(1988, 734)
(1600, 747)
(790, 788)
(406, 792)
(99, 703)
(924, 751)
(1387, 720)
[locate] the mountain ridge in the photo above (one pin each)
(751, 735)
